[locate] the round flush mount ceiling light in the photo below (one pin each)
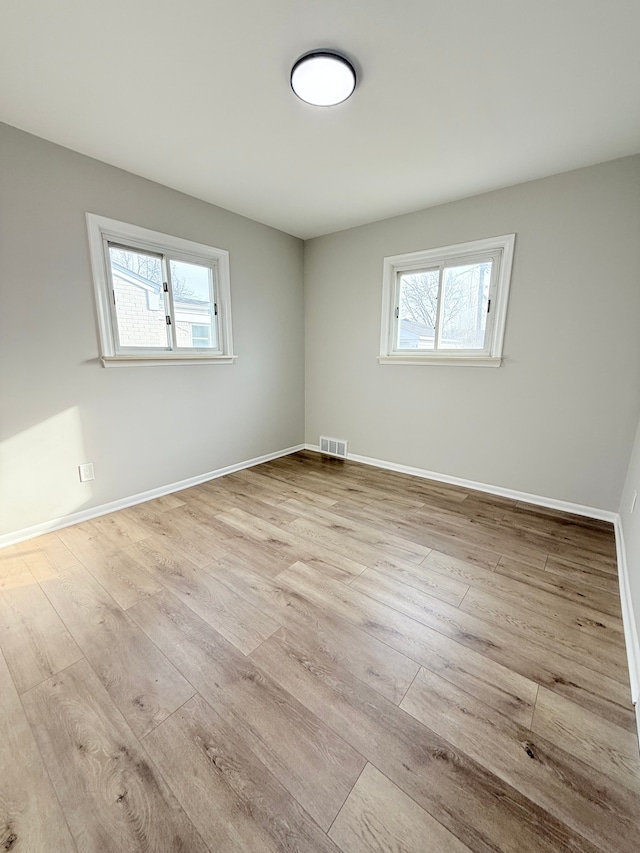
(323, 78)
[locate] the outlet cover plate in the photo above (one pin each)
(86, 472)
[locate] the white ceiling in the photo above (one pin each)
(455, 97)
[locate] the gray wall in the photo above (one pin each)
(558, 418)
(142, 427)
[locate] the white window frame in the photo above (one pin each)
(497, 249)
(103, 231)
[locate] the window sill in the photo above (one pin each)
(459, 361)
(164, 360)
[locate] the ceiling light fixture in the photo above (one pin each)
(323, 78)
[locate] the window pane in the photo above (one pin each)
(193, 304)
(418, 307)
(139, 299)
(200, 336)
(465, 296)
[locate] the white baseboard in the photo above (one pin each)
(95, 511)
(632, 641)
(538, 500)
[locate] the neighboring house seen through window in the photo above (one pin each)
(160, 299)
(201, 336)
(448, 305)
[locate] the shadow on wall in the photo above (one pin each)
(39, 479)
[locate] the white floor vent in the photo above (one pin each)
(333, 446)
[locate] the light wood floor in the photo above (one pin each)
(317, 656)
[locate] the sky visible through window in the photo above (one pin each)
(191, 280)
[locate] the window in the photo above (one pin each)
(448, 305)
(201, 336)
(160, 299)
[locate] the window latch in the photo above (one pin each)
(397, 313)
(168, 320)
(488, 306)
(215, 310)
(165, 287)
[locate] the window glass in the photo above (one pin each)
(417, 310)
(201, 336)
(465, 299)
(194, 304)
(139, 299)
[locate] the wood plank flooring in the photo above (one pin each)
(315, 656)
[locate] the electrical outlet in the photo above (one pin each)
(86, 472)
(633, 502)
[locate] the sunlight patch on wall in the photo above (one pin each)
(39, 472)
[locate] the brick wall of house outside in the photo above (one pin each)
(140, 325)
